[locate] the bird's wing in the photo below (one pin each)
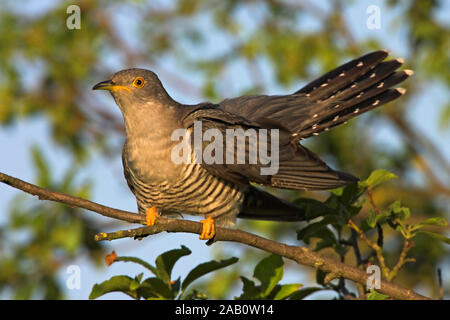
(298, 168)
(341, 94)
(212, 117)
(126, 169)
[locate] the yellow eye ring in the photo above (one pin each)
(139, 82)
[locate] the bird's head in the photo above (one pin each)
(134, 86)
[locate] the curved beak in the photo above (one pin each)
(104, 85)
(110, 86)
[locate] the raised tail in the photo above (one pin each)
(349, 90)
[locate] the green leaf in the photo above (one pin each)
(350, 194)
(269, 272)
(205, 268)
(319, 229)
(286, 290)
(195, 295)
(314, 208)
(376, 218)
(166, 261)
(249, 291)
(337, 192)
(436, 221)
(394, 212)
(134, 285)
(436, 236)
(176, 286)
(155, 287)
(116, 283)
(328, 243)
(374, 295)
(303, 293)
(376, 178)
(399, 212)
(136, 282)
(138, 261)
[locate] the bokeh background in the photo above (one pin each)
(57, 133)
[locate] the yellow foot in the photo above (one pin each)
(150, 216)
(208, 231)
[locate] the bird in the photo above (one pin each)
(221, 192)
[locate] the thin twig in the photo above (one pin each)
(407, 245)
(380, 239)
(45, 194)
(388, 274)
(378, 250)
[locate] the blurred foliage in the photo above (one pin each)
(161, 286)
(42, 237)
(47, 70)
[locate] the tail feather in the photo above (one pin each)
(343, 74)
(347, 114)
(361, 85)
(353, 95)
(378, 74)
(344, 91)
(261, 205)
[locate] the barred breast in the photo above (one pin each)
(196, 192)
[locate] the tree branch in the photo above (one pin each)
(301, 255)
(44, 194)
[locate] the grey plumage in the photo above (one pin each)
(223, 191)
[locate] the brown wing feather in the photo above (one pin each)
(299, 168)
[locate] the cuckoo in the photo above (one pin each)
(220, 191)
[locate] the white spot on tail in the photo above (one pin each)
(401, 90)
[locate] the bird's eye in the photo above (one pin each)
(139, 82)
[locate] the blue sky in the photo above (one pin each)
(110, 187)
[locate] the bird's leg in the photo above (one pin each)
(208, 230)
(150, 215)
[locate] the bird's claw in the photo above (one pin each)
(208, 230)
(150, 216)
